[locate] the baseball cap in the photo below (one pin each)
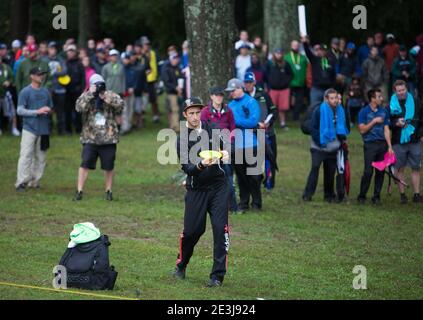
(215, 91)
(96, 78)
(37, 71)
(278, 50)
(402, 48)
(16, 44)
(101, 50)
(113, 52)
(3, 46)
(145, 40)
(193, 102)
(52, 44)
(324, 47)
(335, 41)
(71, 47)
(32, 48)
(390, 36)
(351, 45)
(234, 84)
(249, 77)
(244, 46)
(125, 55)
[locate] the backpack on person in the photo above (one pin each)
(306, 123)
(87, 265)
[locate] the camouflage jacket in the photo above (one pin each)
(99, 127)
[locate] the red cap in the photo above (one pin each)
(32, 48)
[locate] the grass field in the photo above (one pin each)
(291, 250)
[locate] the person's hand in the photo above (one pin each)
(93, 88)
(43, 110)
(207, 162)
(262, 125)
(378, 120)
(305, 39)
(390, 150)
(400, 122)
(179, 91)
(225, 155)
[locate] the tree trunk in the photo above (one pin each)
(280, 23)
(241, 14)
(89, 21)
(20, 14)
(211, 32)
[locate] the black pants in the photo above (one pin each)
(59, 101)
(249, 185)
(373, 152)
(329, 170)
(298, 93)
(71, 116)
(197, 204)
(273, 146)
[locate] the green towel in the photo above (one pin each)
(83, 233)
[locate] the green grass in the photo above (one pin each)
(292, 250)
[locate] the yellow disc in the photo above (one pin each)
(64, 80)
(210, 154)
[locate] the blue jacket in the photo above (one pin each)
(246, 112)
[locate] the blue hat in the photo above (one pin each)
(3, 46)
(249, 77)
(351, 45)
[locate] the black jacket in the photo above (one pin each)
(322, 79)
(279, 76)
(197, 179)
(76, 72)
(417, 122)
(170, 75)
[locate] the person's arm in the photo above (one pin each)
(271, 108)
(166, 78)
(315, 126)
(23, 104)
(310, 55)
(395, 69)
(364, 69)
(19, 77)
(104, 72)
(64, 70)
(364, 128)
(191, 169)
(251, 121)
(83, 103)
(114, 101)
(387, 132)
(288, 71)
(385, 73)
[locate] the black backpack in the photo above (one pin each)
(87, 265)
(306, 123)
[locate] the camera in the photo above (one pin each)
(100, 88)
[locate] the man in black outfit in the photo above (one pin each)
(207, 191)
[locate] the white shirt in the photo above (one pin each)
(242, 63)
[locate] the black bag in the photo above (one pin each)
(87, 265)
(306, 123)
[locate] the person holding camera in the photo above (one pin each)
(99, 108)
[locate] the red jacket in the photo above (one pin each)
(219, 120)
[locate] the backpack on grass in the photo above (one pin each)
(87, 265)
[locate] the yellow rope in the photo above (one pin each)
(65, 291)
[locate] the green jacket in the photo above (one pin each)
(298, 63)
(22, 75)
(114, 75)
(6, 74)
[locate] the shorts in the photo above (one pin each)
(151, 90)
(91, 152)
(408, 155)
(281, 99)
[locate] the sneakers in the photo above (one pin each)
(109, 196)
(21, 188)
(376, 201)
(417, 198)
(214, 283)
(15, 132)
(306, 198)
(78, 196)
(361, 200)
(404, 198)
(179, 273)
